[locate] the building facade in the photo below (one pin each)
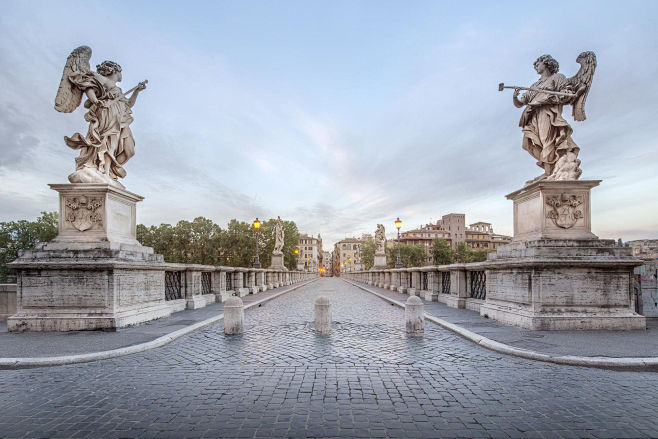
(309, 257)
(452, 228)
(644, 248)
(480, 236)
(347, 254)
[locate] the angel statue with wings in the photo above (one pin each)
(109, 142)
(546, 135)
(380, 239)
(279, 235)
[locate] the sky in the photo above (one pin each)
(338, 115)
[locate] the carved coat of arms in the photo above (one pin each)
(565, 209)
(82, 212)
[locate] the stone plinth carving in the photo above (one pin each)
(94, 274)
(96, 213)
(553, 209)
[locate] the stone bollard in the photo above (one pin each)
(322, 315)
(415, 317)
(233, 316)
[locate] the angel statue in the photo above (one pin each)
(380, 239)
(546, 135)
(109, 142)
(278, 237)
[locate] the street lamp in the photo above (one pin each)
(256, 228)
(398, 224)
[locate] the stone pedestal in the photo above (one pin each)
(553, 210)
(277, 262)
(556, 274)
(94, 274)
(380, 261)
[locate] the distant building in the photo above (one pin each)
(310, 255)
(347, 254)
(644, 248)
(424, 236)
(326, 265)
(480, 236)
(452, 228)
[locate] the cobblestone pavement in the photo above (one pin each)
(366, 379)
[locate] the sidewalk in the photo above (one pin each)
(25, 349)
(623, 349)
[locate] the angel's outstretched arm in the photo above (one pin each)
(518, 103)
(133, 97)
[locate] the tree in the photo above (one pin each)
(441, 252)
(462, 253)
(368, 253)
(24, 235)
(201, 241)
(195, 242)
(411, 255)
(479, 255)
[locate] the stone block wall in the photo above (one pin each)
(7, 301)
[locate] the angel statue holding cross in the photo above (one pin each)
(546, 135)
(109, 143)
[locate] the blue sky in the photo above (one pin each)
(338, 115)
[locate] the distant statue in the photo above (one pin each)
(380, 239)
(109, 143)
(546, 135)
(278, 237)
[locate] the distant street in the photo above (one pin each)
(366, 379)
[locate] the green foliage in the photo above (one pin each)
(461, 253)
(479, 255)
(441, 252)
(195, 242)
(368, 254)
(411, 255)
(23, 235)
(203, 242)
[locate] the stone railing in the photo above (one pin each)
(456, 285)
(7, 301)
(192, 286)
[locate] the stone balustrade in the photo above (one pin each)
(7, 301)
(168, 288)
(456, 285)
(201, 285)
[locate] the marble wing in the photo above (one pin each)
(580, 83)
(68, 95)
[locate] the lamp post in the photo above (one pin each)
(256, 228)
(398, 224)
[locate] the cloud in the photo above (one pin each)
(335, 135)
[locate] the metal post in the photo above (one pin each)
(398, 264)
(257, 261)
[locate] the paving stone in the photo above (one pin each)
(366, 379)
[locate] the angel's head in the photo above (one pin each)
(547, 60)
(109, 68)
